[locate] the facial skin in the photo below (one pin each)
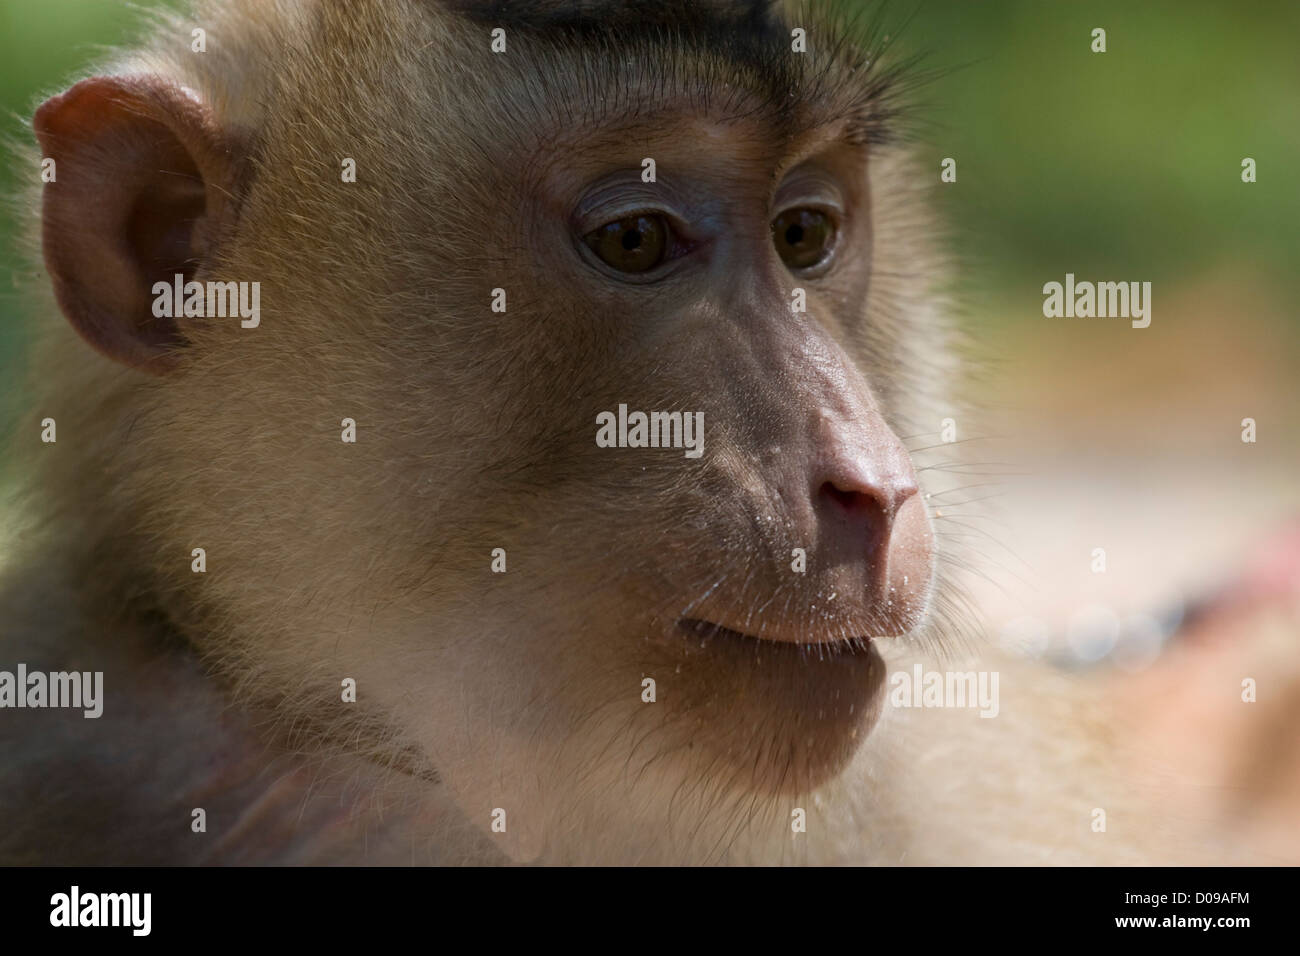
(476, 429)
(805, 457)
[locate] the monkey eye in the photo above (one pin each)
(633, 244)
(803, 237)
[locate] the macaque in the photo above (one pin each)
(363, 581)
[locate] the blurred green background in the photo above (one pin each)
(1122, 165)
(1125, 163)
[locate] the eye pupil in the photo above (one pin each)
(631, 239)
(794, 235)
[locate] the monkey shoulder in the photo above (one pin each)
(124, 749)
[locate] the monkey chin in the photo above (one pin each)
(769, 717)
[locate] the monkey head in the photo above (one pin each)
(629, 315)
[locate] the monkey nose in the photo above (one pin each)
(876, 532)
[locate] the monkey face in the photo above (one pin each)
(753, 580)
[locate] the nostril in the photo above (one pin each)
(869, 498)
(849, 500)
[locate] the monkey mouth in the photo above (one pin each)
(710, 630)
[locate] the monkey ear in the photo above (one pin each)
(143, 186)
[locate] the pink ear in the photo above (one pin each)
(143, 183)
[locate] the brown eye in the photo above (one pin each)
(634, 244)
(803, 237)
